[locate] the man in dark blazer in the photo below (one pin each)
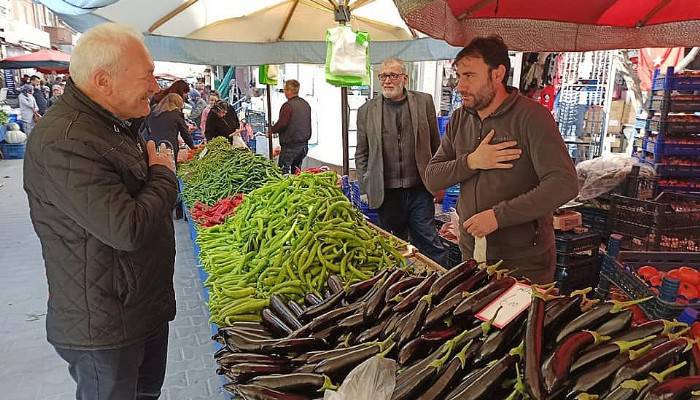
(397, 136)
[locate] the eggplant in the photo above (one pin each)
(295, 308)
(478, 279)
(338, 366)
(306, 369)
(414, 320)
(322, 355)
(371, 333)
(442, 311)
(256, 392)
(597, 379)
(596, 316)
(409, 388)
(335, 284)
(658, 356)
(352, 321)
(311, 299)
(255, 335)
(327, 334)
(416, 293)
(322, 308)
(279, 307)
(452, 373)
(452, 278)
(532, 345)
(413, 350)
(618, 324)
(628, 390)
(274, 346)
(555, 370)
(650, 328)
(674, 389)
(467, 380)
(562, 313)
(333, 316)
(242, 373)
(274, 323)
(356, 290)
(391, 325)
(486, 383)
(603, 353)
(402, 285)
(498, 342)
(223, 352)
(295, 382)
(482, 297)
(240, 358)
(376, 302)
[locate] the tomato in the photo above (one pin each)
(689, 275)
(655, 281)
(695, 330)
(673, 274)
(690, 292)
(647, 272)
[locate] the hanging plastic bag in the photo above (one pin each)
(347, 57)
(374, 379)
(268, 74)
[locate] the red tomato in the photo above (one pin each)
(647, 272)
(673, 274)
(689, 275)
(695, 330)
(655, 281)
(690, 292)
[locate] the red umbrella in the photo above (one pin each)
(46, 61)
(559, 25)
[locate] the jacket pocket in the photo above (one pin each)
(124, 278)
(518, 236)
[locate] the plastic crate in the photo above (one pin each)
(657, 148)
(595, 219)
(570, 243)
(568, 280)
(449, 201)
(3, 132)
(679, 171)
(12, 151)
(671, 81)
(620, 270)
(686, 104)
(675, 128)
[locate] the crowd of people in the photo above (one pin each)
(101, 189)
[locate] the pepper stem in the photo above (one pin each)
(619, 306)
(625, 346)
(660, 376)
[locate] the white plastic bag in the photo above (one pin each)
(374, 379)
(603, 174)
(348, 55)
(237, 142)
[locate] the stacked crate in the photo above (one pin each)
(578, 264)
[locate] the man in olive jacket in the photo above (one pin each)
(397, 135)
(506, 153)
(101, 202)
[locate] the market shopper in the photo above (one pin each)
(397, 135)
(101, 202)
(294, 128)
(28, 109)
(198, 105)
(166, 123)
(39, 94)
(212, 99)
(221, 121)
(56, 91)
(506, 153)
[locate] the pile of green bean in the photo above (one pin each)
(287, 237)
(225, 171)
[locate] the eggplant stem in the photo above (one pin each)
(327, 384)
(581, 292)
(598, 338)
(462, 355)
(486, 325)
(669, 326)
(428, 298)
(545, 294)
(637, 386)
(489, 268)
(500, 273)
(660, 376)
(437, 364)
(586, 396)
(625, 346)
(587, 304)
(674, 336)
(518, 351)
(635, 354)
(619, 306)
(387, 350)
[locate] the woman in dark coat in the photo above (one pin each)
(166, 122)
(221, 121)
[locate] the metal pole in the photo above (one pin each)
(269, 122)
(344, 127)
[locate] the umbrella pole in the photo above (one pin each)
(269, 123)
(344, 129)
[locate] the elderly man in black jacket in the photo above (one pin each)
(101, 201)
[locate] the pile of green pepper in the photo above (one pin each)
(288, 237)
(224, 171)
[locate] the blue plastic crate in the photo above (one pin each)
(673, 171)
(671, 81)
(658, 147)
(3, 132)
(449, 201)
(12, 151)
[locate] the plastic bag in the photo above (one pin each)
(347, 57)
(603, 174)
(237, 142)
(374, 379)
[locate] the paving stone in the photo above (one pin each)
(36, 371)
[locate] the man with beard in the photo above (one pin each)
(508, 156)
(396, 137)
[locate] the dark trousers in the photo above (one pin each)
(291, 157)
(135, 372)
(410, 215)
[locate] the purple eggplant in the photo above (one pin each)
(478, 279)
(620, 323)
(486, 383)
(404, 284)
(334, 283)
(650, 328)
(555, 369)
(325, 306)
(274, 346)
(296, 309)
(597, 316)
(279, 307)
(352, 321)
(632, 389)
(533, 344)
(356, 290)
(414, 320)
(371, 333)
(498, 342)
(674, 389)
(658, 356)
(599, 354)
(452, 373)
(392, 324)
(311, 299)
(416, 294)
(275, 323)
(242, 373)
(322, 355)
(338, 366)
(409, 388)
(294, 382)
(482, 297)
(442, 311)
(256, 392)
(451, 279)
(376, 302)
(240, 358)
(333, 316)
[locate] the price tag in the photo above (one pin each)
(513, 302)
(203, 153)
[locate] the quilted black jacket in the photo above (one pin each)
(104, 221)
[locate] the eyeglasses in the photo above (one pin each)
(392, 76)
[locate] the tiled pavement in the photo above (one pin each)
(30, 369)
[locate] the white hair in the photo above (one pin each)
(395, 61)
(101, 48)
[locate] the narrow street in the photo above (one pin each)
(31, 368)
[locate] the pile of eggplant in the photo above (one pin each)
(562, 347)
